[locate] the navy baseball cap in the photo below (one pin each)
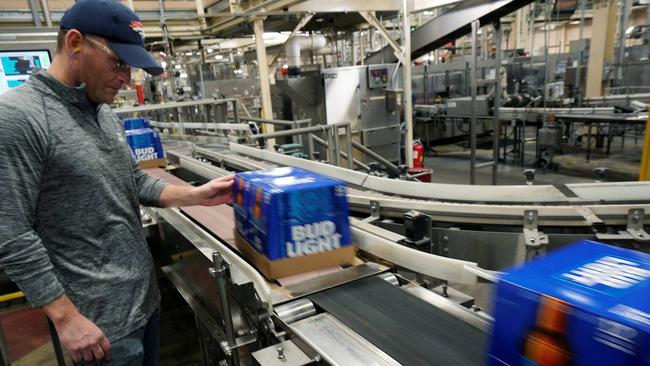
(118, 24)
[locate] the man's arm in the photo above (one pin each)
(23, 155)
(215, 192)
(149, 187)
(153, 191)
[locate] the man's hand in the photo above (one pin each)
(216, 191)
(79, 336)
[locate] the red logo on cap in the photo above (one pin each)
(137, 27)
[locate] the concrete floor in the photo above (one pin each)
(450, 164)
(42, 356)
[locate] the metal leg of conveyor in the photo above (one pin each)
(4, 350)
(221, 272)
(56, 344)
(201, 337)
(473, 86)
(497, 98)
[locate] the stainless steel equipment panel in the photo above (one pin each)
(282, 354)
(342, 95)
(338, 344)
(381, 136)
(348, 98)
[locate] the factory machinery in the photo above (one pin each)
(477, 90)
(419, 291)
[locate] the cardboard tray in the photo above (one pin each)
(291, 266)
(153, 163)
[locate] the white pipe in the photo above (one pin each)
(328, 50)
(293, 47)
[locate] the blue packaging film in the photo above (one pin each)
(290, 212)
(144, 142)
(135, 123)
(584, 304)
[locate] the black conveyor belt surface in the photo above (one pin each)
(410, 330)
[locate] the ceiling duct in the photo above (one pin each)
(295, 45)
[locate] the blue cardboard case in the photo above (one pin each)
(135, 123)
(585, 304)
(242, 203)
(144, 142)
(291, 212)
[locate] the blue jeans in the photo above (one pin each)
(139, 348)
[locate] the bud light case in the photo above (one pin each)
(144, 142)
(291, 212)
(585, 304)
(135, 123)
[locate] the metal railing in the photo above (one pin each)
(331, 136)
(331, 140)
(209, 110)
(212, 120)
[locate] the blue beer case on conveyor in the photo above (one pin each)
(601, 314)
(290, 212)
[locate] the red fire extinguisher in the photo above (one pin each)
(418, 154)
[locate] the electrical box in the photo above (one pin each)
(393, 100)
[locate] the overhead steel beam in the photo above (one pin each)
(36, 17)
(25, 15)
(343, 6)
(46, 13)
(265, 8)
(421, 5)
(372, 20)
(451, 25)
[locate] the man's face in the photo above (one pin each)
(102, 70)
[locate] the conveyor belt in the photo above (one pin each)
(408, 329)
(218, 219)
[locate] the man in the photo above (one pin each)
(71, 235)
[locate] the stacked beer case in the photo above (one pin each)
(145, 143)
(585, 304)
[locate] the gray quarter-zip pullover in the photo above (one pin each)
(69, 196)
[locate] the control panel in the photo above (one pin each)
(377, 76)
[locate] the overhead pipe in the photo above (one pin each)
(327, 50)
(298, 43)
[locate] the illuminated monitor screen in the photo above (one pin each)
(17, 66)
